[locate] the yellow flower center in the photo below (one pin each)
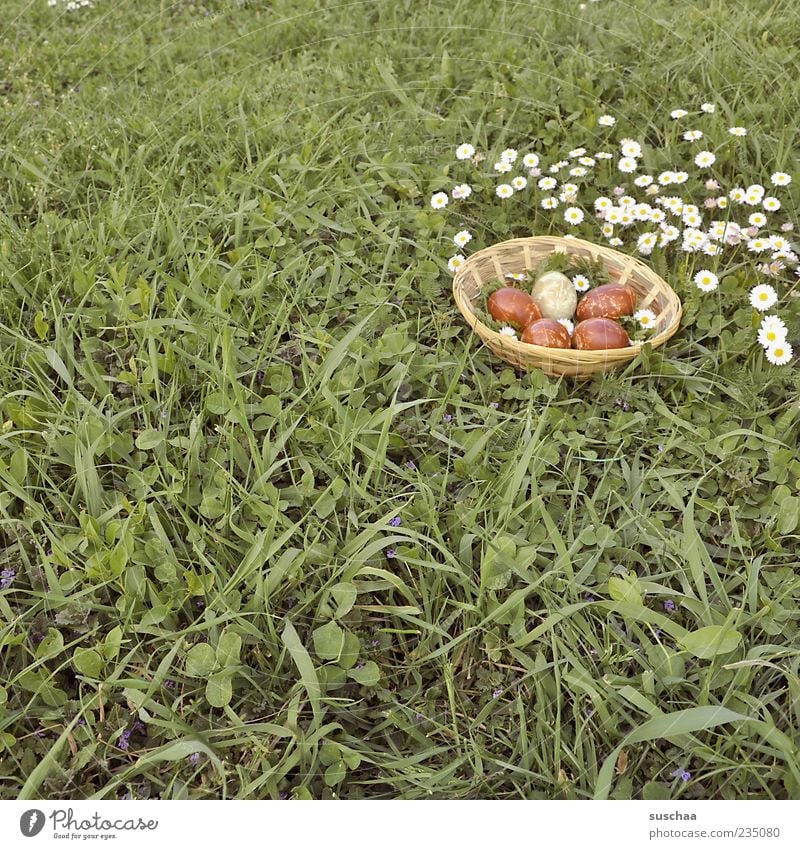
(763, 296)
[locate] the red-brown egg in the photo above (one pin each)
(599, 334)
(609, 301)
(547, 332)
(513, 306)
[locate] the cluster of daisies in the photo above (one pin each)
(71, 5)
(739, 217)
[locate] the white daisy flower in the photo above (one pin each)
(665, 178)
(588, 161)
(757, 245)
(604, 154)
(616, 242)
(627, 165)
(779, 243)
(763, 296)
(508, 331)
(711, 185)
(573, 215)
(668, 234)
(603, 204)
(779, 178)
(756, 189)
(504, 191)
(461, 238)
(643, 180)
(515, 275)
(547, 183)
(581, 282)
(508, 155)
(656, 216)
(693, 239)
(549, 203)
(570, 188)
(708, 107)
(780, 353)
(738, 131)
(502, 167)
(692, 135)
(439, 200)
(646, 242)
(462, 191)
(557, 166)
(566, 323)
(646, 318)
(630, 148)
(606, 121)
(722, 203)
(757, 219)
(692, 219)
(681, 177)
(578, 171)
(641, 212)
(737, 194)
(579, 151)
(614, 215)
(607, 230)
(710, 249)
(771, 204)
(678, 113)
(652, 190)
(465, 151)
(627, 200)
(705, 159)
(530, 160)
(772, 333)
(706, 280)
(455, 262)
(519, 183)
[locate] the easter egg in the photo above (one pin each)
(599, 334)
(513, 306)
(547, 332)
(555, 294)
(609, 301)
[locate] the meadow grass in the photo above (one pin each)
(231, 363)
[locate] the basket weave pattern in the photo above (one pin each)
(520, 255)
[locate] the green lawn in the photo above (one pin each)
(272, 522)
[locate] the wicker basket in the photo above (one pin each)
(519, 255)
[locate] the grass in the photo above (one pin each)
(230, 358)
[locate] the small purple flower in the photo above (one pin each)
(199, 604)
(390, 553)
(374, 643)
(283, 796)
(194, 758)
(710, 203)
(618, 191)
(589, 597)
(712, 185)
(396, 522)
(681, 773)
(169, 683)
(411, 465)
(138, 726)
(360, 665)
(7, 578)
(670, 606)
(448, 417)
(494, 405)
(497, 693)
(124, 741)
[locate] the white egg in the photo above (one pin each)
(555, 295)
